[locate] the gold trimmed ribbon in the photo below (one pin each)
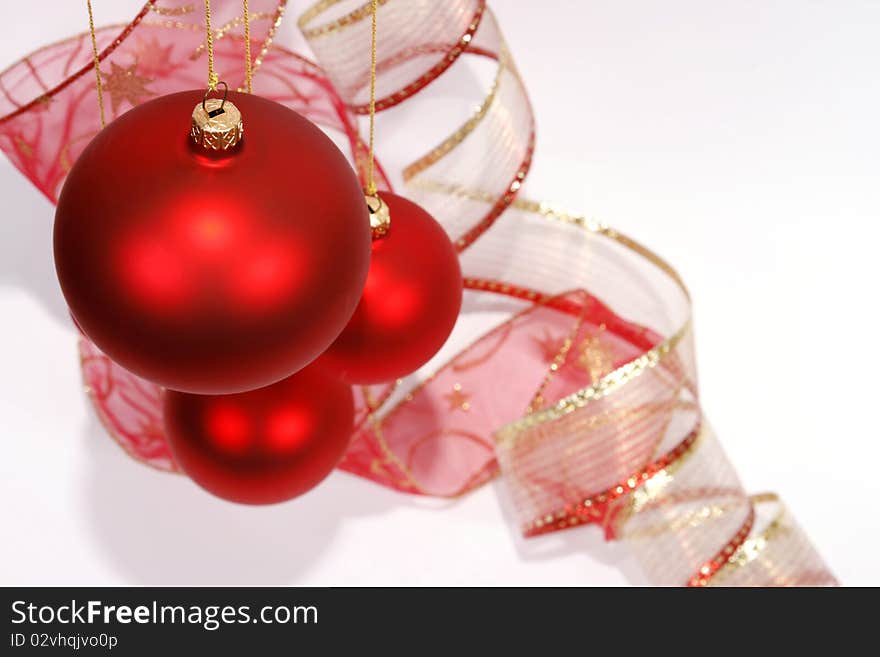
(631, 451)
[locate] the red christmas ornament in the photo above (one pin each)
(410, 302)
(206, 264)
(264, 446)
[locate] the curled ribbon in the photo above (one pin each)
(589, 411)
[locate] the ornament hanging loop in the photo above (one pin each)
(217, 110)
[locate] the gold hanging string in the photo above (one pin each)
(380, 216)
(213, 80)
(98, 84)
(248, 65)
(371, 181)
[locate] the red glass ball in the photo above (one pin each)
(264, 446)
(410, 302)
(212, 273)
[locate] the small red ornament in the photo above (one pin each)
(264, 446)
(205, 264)
(410, 302)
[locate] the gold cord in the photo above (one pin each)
(371, 181)
(98, 84)
(213, 80)
(249, 72)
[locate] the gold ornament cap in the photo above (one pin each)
(380, 216)
(216, 124)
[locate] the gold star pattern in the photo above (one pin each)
(26, 149)
(151, 433)
(595, 358)
(550, 345)
(124, 84)
(457, 399)
(152, 58)
(43, 103)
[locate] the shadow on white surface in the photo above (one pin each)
(172, 532)
(26, 259)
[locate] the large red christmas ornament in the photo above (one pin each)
(205, 263)
(266, 445)
(410, 302)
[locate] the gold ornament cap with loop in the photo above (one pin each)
(216, 123)
(380, 216)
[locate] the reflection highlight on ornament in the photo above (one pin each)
(268, 274)
(207, 226)
(229, 426)
(154, 274)
(211, 232)
(217, 247)
(394, 301)
(288, 429)
(211, 159)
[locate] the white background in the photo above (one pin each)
(738, 139)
